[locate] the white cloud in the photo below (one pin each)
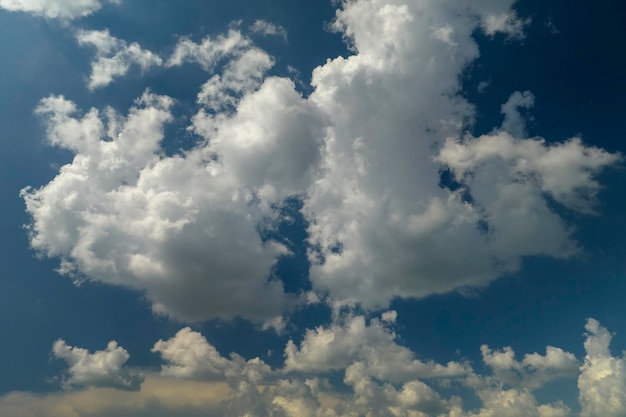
(389, 316)
(380, 224)
(266, 28)
(507, 23)
(183, 229)
(513, 403)
(271, 143)
(371, 349)
(602, 380)
(103, 368)
(210, 51)
(114, 57)
(514, 123)
(364, 151)
(534, 370)
(243, 74)
(188, 355)
(53, 9)
(566, 171)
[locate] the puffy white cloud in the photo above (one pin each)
(380, 223)
(565, 171)
(183, 228)
(189, 355)
(266, 28)
(103, 368)
(53, 9)
(272, 143)
(114, 57)
(602, 380)
(534, 370)
(370, 348)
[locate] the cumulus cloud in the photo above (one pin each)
(602, 380)
(514, 403)
(263, 27)
(534, 370)
(364, 152)
(369, 348)
(189, 355)
(53, 9)
(196, 380)
(565, 171)
(185, 229)
(114, 57)
(381, 226)
(103, 368)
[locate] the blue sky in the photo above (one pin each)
(292, 208)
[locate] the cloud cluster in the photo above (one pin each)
(114, 57)
(364, 153)
(56, 9)
(195, 379)
(104, 368)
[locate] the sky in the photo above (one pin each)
(362, 208)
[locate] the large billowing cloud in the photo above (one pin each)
(197, 380)
(186, 229)
(364, 152)
(51, 9)
(104, 368)
(182, 228)
(380, 223)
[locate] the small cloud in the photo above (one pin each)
(507, 23)
(389, 316)
(114, 57)
(482, 86)
(103, 368)
(266, 28)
